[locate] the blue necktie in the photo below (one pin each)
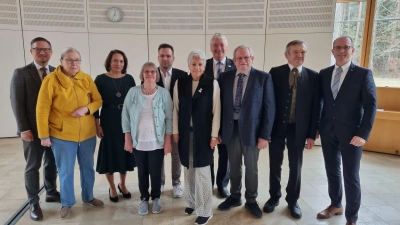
(219, 63)
(336, 80)
(238, 95)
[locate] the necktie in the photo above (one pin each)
(43, 70)
(294, 73)
(219, 63)
(336, 80)
(238, 95)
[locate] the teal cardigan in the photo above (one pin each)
(162, 109)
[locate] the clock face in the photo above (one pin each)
(114, 14)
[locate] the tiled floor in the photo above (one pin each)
(380, 177)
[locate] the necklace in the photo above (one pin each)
(150, 92)
(118, 93)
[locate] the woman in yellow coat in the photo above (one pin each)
(67, 100)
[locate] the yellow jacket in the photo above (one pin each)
(58, 97)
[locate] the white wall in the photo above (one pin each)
(264, 25)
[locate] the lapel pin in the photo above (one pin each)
(200, 90)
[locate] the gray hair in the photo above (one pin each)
(344, 36)
(242, 47)
(219, 36)
(151, 64)
(68, 50)
(198, 54)
(293, 43)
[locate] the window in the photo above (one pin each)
(375, 27)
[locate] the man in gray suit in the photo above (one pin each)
(24, 90)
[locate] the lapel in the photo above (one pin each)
(228, 82)
(210, 67)
(202, 85)
(250, 84)
(328, 81)
(160, 81)
(51, 68)
(34, 73)
(302, 80)
(229, 64)
(346, 82)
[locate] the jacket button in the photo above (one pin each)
(284, 121)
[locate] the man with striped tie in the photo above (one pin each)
(214, 66)
(348, 108)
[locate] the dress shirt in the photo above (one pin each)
(300, 68)
(38, 67)
(345, 69)
(166, 78)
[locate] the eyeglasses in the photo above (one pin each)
(149, 71)
(70, 61)
(346, 47)
(45, 50)
(246, 58)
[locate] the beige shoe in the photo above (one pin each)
(65, 212)
(95, 203)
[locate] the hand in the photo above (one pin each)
(214, 142)
(262, 143)
(357, 141)
(27, 136)
(175, 138)
(309, 143)
(167, 148)
(100, 133)
(45, 142)
(80, 112)
(317, 136)
(128, 146)
(219, 139)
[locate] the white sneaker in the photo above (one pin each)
(177, 191)
(156, 206)
(144, 208)
(162, 188)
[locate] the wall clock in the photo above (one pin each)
(114, 14)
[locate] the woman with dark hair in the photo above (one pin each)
(113, 87)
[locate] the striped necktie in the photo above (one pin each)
(238, 96)
(219, 63)
(336, 81)
(44, 72)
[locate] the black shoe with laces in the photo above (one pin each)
(254, 209)
(202, 220)
(295, 210)
(229, 203)
(189, 211)
(270, 205)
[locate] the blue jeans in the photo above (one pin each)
(65, 153)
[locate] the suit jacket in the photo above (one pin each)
(209, 71)
(353, 111)
(176, 74)
(257, 110)
(24, 90)
(307, 103)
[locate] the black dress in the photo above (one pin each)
(112, 157)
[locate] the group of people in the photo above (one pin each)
(222, 103)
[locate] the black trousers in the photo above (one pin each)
(149, 163)
(295, 156)
(223, 168)
(336, 153)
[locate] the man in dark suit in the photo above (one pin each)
(214, 66)
(247, 116)
(348, 108)
(296, 121)
(24, 90)
(169, 76)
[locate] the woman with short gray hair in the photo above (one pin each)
(196, 122)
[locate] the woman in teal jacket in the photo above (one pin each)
(147, 124)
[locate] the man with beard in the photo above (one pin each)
(168, 77)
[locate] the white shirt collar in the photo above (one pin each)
(300, 68)
(345, 66)
(38, 67)
(169, 72)
(247, 73)
(222, 61)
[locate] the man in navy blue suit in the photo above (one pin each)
(214, 66)
(247, 116)
(348, 108)
(296, 121)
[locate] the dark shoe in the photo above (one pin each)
(295, 210)
(189, 211)
(254, 209)
(53, 197)
(223, 192)
(202, 220)
(36, 212)
(229, 203)
(350, 223)
(128, 195)
(113, 199)
(329, 212)
(270, 205)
